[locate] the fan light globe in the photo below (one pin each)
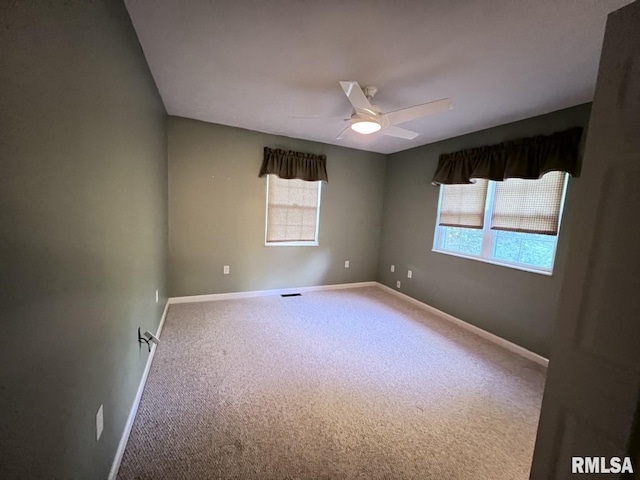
(366, 127)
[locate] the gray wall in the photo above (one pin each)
(217, 213)
(85, 221)
(516, 305)
(83, 235)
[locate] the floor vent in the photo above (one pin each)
(291, 295)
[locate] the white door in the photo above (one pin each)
(593, 384)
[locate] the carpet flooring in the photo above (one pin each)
(343, 384)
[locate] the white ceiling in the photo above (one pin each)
(253, 64)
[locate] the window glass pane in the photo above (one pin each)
(292, 210)
(461, 240)
(526, 248)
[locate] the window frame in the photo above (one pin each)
(488, 235)
(295, 243)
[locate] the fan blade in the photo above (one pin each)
(411, 113)
(357, 97)
(296, 117)
(343, 133)
(393, 131)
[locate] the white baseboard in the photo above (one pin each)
(115, 466)
(523, 352)
(263, 293)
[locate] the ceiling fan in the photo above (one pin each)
(367, 118)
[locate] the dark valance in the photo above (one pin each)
(523, 158)
(288, 164)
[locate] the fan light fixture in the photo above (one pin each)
(366, 127)
(367, 118)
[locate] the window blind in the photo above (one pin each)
(528, 206)
(292, 210)
(463, 205)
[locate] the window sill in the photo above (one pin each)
(515, 266)
(291, 244)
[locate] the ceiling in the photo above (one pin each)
(254, 64)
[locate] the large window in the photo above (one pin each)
(513, 223)
(293, 212)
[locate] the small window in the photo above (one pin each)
(513, 223)
(293, 212)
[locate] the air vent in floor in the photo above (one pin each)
(291, 295)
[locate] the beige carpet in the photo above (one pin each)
(331, 385)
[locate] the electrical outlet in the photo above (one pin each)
(346, 264)
(156, 295)
(99, 423)
(409, 274)
(393, 268)
(398, 284)
(225, 270)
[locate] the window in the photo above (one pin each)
(513, 223)
(293, 212)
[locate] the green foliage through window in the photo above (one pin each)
(526, 248)
(462, 240)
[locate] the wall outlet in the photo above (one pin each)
(393, 268)
(99, 423)
(398, 284)
(225, 270)
(346, 264)
(409, 274)
(157, 295)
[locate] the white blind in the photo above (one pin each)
(292, 210)
(463, 205)
(529, 206)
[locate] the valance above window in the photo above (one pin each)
(288, 164)
(528, 158)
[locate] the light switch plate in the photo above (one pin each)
(409, 274)
(346, 264)
(393, 268)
